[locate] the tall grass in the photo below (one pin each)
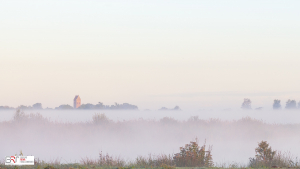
(280, 160)
(104, 161)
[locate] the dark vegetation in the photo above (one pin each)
(116, 106)
(22, 107)
(5, 108)
(100, 106)
(64, 107)
(175, 108)
(290, 104)
(267, 158)
(88, 106)
(191, 155)
(246, 105)
(276, 104)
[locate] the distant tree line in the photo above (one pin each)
(22, 107)
(101, 106)
(175, 108)
(38, 106)
(290, 104)
(6, 108)
(246, 105)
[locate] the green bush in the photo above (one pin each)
(192, 155)
(266, 157)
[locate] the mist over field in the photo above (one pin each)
(73, 135)
(133, 78)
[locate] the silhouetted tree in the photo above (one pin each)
(127, 106)
(86, 106)
(64, 107)
(291, 104)
(276, 104)
(99, 106)
(175, 108)
(246, 104)
(37, 106)
(163, 108)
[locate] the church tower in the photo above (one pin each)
(77, 102)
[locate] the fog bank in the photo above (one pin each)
(268, 116)
(133, 133)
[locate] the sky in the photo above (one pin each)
(195, 54)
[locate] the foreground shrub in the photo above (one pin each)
(264, 152)
(100, 119)
(266, 157)
(194, 156)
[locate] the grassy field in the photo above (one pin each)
(190, 156)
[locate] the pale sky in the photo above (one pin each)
(195, 54)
